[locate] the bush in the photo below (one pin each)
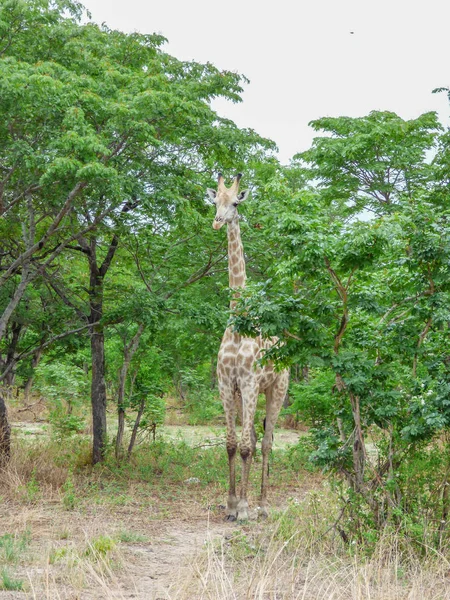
(62, 382)
(202, 404)
(312, 401)
(64, 426)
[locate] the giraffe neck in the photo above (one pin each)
(236, 261)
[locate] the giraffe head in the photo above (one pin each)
(226, 200)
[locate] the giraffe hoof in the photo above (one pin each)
(230, 518)
(242, 517)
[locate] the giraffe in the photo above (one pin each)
(240, 377)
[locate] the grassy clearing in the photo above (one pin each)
(85, 526)
(272, 573)
(8, 583)
(154, 528)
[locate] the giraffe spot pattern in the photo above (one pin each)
(240, 377)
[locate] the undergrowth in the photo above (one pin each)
(163, 472)
(43, 469)
(13, 549)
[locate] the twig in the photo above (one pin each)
(29, 406)
(211, 445)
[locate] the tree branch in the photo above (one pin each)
(28, 353)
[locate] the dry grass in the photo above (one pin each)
(38, 470)
(277, 570)
(110, 535)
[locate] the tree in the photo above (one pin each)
(364, 303)
(371, 163)
(99, 129)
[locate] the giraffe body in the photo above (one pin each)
(240, 376)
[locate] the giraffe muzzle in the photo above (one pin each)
(218, 222)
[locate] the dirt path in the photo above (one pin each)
(158, 569)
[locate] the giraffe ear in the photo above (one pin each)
(242, 196)
(211, 194)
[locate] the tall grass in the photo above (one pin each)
(39, 468)
(301, 568)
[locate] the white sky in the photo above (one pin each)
(302, 61)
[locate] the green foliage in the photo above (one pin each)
(148, 391)
(313, 402)
(12, 549)
(154, 413)
(69, 498)
(132, 537)
(7, 583)
(202, 404)
(163, 462)
(63, 426)
(364, 303)
(57, 554)
(12, 546)
(329, 452)
(100, 547)
(107, 144)
(241, 546)
(31, 491)
(298, 457)
(64, 384)
(371, 162)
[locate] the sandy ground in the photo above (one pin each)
(155, 566)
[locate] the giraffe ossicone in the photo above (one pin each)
(240, 376)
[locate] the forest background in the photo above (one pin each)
(114, 287)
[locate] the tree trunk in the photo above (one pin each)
(11, 341)
(5, 434)
(129, 352)
(98, 385)
(359, 450)
(34, 363)
(136, 427)
(14, 301)
(213, 372)
(98, 394)
(120, 431)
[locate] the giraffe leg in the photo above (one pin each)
(275, 395)
(239, 409)
(254, 440)
(247, 445)
(228, 401)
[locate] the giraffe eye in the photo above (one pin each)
(235, 203)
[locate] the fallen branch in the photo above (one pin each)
(210, 445)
